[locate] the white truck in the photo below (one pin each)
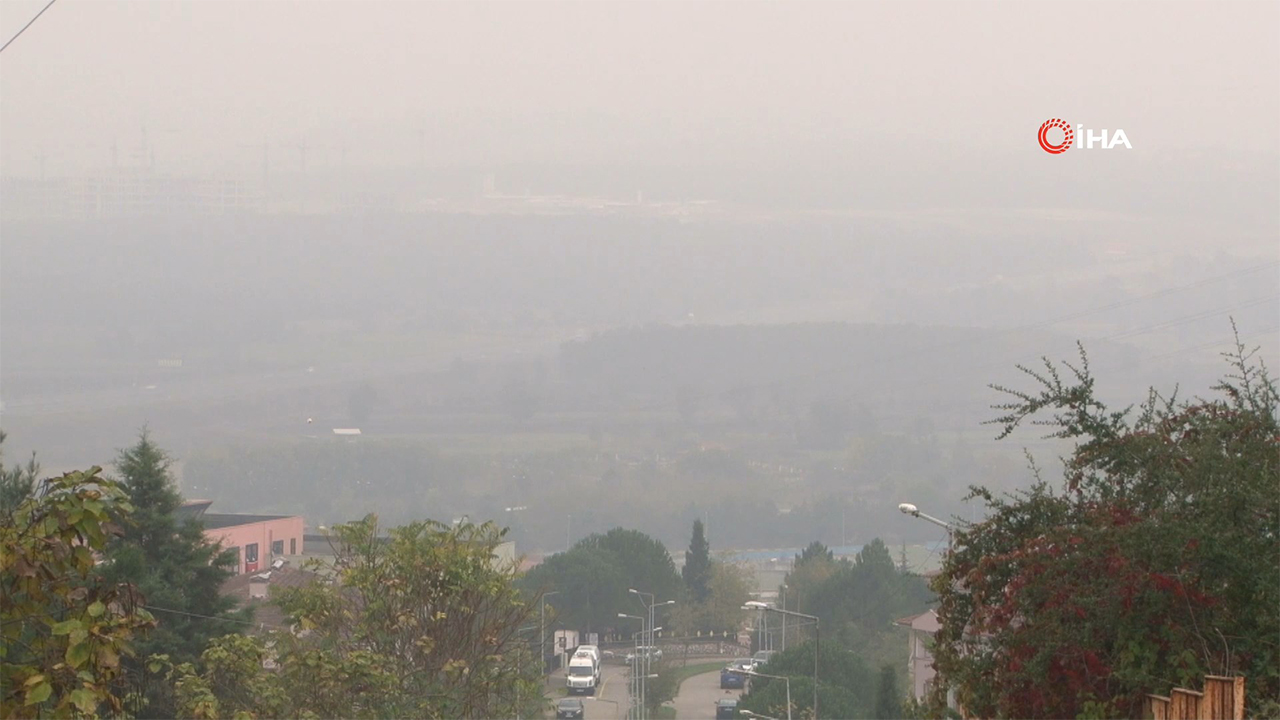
(583, 675)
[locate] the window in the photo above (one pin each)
(251, 553)
(293, 546)
(277, 547)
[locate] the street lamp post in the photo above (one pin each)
(636, 686)
(787, 680)
(542, 624)
(649, 643)
(912, 510)
(784, 617)
(817, 640)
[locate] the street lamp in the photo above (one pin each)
(649, 606)
(817, 639)
(787, 680)
(912, 510)
(542, 623)
(637, 690)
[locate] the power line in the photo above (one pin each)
(211, 617)
(29, 24)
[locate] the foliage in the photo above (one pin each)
(17, 483)
(846, 687)
(173, 565)
(888, 698)
(594, 577)
(230, 680)
(65, 629)
(814, 552)
(697, 566)
(418, 623)
(1157, 563)
(663, 688)
(857, 600)
(721, 612)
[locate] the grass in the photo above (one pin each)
(688, 671)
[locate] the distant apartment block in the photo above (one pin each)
(256, 539)
(132, 193)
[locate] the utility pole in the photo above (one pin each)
(784, 618)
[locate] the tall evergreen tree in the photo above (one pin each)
(815, 551)
(697, 565)
(17, 483)
(888, 700)
(177, 570)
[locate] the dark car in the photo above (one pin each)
(726, 709)
(732, 675)
(569, 708)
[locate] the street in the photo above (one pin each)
(698, 695)
(613, 688)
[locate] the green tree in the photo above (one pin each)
(63, 627)
(590, 586)
(697, 565)
(888, 699)
(594, 577)
(176, 569)
(814, 552)
(1156, 563)
(662, 689)
(420, 622)
(722, 611)
(846, 688)
(17, 483)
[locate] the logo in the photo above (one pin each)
(1080, 137)
(1044, 133)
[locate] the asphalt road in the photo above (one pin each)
(698, 696)
(613, 688)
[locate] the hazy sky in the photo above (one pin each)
(629, 83)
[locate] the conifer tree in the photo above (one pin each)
(697, 565)
(177, 570)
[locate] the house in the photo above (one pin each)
(920, 665)
(256, 539)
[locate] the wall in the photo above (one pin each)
(263, 534)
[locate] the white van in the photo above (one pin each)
(583, 674)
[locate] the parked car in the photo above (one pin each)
(653, 653)
(734, 675)
(761, 658)
(726, 708)
(569, 709)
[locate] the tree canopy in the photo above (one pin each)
(64, 628)
(418, 623)
(593, 579)
(174, 567)
(697, 565)
(846, 684)
(1155, 563)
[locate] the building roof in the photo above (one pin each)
(926, 621)
(266, 614)
(213, 521)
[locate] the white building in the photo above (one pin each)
(920, 665)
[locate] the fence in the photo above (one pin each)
(1221, 699)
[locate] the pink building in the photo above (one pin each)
(256, 539)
